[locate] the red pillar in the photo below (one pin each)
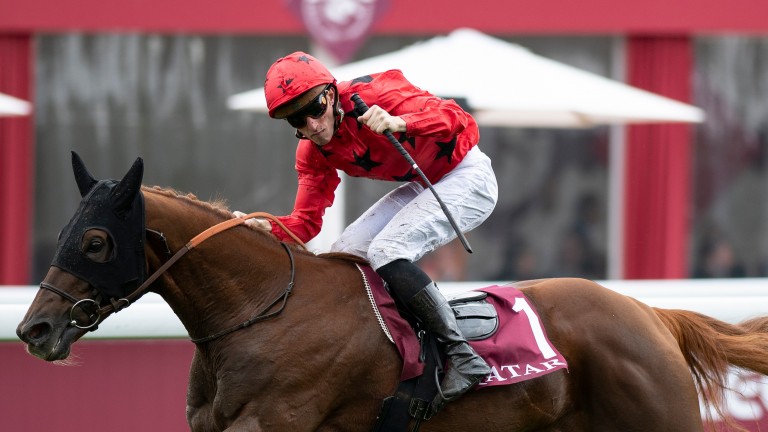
(16, 162)
(658, 164)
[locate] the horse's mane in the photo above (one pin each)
(220, 209)
(218, 206)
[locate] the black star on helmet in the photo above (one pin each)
(287, 83)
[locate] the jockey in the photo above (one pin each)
(408, 222)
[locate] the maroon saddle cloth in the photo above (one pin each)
(517, 350)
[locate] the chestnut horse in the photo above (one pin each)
(311, 356)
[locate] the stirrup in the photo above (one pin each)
(440, 390)
(437, 405)
(440, 400)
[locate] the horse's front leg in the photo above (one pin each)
(245, 425)
(201, 420)
(201, 393)
(202, 417)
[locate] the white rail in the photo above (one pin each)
(731, 300)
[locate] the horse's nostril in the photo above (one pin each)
(37, 333)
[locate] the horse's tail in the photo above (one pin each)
(710, 346)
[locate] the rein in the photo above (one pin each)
(263, 314)
(120, 304)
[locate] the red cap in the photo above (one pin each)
(291, 77)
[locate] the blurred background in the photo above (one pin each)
(116, 80)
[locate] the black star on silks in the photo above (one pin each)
(362, 79)
(324, 152)
(446, 149)
(353, 115)
(410, 175)
(411, 140)
(304, 59)
(365, 161)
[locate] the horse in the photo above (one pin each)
(285, 339)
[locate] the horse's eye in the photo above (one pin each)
(95, 246)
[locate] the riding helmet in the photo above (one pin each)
(293, 81)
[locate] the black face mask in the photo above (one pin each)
(118, 209)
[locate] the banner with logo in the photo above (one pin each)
(339, 26)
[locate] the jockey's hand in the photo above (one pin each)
(255, 222)
(380, 120)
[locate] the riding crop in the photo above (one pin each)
(361, 108)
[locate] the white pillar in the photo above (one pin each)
(615, 258)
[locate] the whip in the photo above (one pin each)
(361, 108)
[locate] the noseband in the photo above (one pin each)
(81, 304)
(120, 304)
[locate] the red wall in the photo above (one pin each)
(17, 156)
(116, 386)
(131, 385)
(402, 16)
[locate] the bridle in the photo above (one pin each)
(116, 305)
(264, 314)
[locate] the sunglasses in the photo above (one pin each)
(314, 109)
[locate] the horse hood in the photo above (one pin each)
(116, 208)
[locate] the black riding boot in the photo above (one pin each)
(420, 295)
(466, 368)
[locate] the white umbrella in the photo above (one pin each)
(507, 85)
(11, 106)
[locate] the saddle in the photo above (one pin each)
(499, 322)
(476, 317)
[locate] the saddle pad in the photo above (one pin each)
(518, 351)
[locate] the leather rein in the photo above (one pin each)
(120, 304)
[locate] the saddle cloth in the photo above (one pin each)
(517, 351)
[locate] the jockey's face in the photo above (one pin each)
(320, 130)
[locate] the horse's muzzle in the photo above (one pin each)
(47, 341)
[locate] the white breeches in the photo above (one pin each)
(407, 223)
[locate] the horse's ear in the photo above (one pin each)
(129, 186)
(84, 179)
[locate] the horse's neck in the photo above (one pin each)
(326, 336)
(220, 281)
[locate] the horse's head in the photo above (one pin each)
(99, 261)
